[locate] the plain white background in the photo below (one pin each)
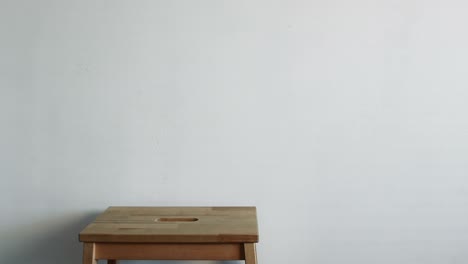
(344, 122)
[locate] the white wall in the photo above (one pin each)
(343, 121)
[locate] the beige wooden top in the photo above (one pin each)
(174, 225)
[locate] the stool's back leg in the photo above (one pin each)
(89, 253)
(250, 253)
(111, 261)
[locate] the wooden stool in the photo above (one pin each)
(171, 233)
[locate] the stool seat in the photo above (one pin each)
(172, 233)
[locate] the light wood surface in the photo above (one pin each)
(89, 256)
(174, 225)
(250, 253)
(171, 233)
(174, 251)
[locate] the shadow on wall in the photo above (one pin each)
(56, 241)
(48, 241)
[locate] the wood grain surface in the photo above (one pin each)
(173, 251)
(174, 225)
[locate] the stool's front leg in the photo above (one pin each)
(111, 261)
(250, 253)
(89, 253)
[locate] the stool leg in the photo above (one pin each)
(88, 254)
(111, 261)
(250, 253)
